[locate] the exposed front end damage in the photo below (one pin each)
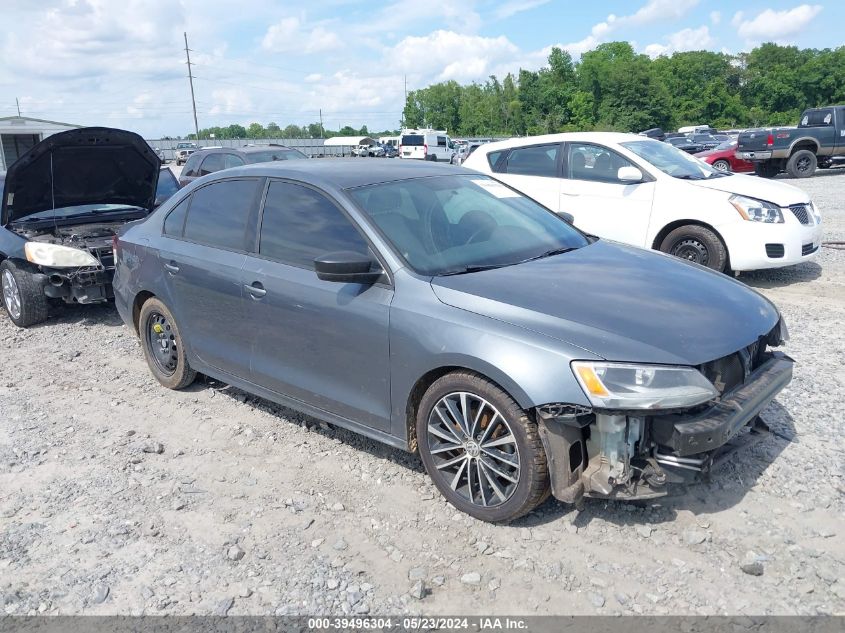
(84, 285)
(631, 455)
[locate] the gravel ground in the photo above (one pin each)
(120, 497)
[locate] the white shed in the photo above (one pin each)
(19, 133)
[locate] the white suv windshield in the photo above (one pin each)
(670, 160)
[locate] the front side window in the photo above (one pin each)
(300, 224)
(452, 224)
(538, 160)
(672, 161)
(595, 163)
(219, 214)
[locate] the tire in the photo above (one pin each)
(766, 169)
(722, 165)
(505, 494)
(168, 364)
(697, 244)
(23, 298)
(802, 164)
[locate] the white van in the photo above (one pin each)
(426, 145)
(696, 129)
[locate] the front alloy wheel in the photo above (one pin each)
(11, 295)
(474, 449)
(480, 449)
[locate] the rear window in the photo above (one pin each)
(413, 139)
(817, 118)
(219, 213)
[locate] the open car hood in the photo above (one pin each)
(94, 165)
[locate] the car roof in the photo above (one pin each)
(246, 149)
(342, 173)
(572, 137)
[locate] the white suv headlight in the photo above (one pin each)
(57, 256)
(629, 386)
(757, 210)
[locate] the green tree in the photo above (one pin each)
(256, 130)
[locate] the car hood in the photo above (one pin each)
(95, 165)
(778, 193)
(620, 303)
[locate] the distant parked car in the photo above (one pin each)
(685, 144)
(640, 191)
(160, 153)
(723, 158)
(436, 310)
(183, 151)
(707, 141)
(364, 150)
(207, 161)
(390, 151)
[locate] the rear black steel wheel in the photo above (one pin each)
(163, 347)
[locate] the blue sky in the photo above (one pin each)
(102, 62)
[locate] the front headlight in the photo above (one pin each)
(57, 256)
(628, 386)
(757, 210)
(815, 212)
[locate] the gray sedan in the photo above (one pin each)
(440, 311)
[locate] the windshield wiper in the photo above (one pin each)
(472, 269)
(551, 253)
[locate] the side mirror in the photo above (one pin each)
(629, 174)
(348, 267)
(567, 216)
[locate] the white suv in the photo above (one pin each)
(640, 191)
(426, 145)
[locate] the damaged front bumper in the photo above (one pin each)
(636, 455)
(84, 285)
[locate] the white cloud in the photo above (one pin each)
(715, 17)
(444, 55)
(684, 40)
(776, 26)
(289, 35)
(509, 9)
(230, 101)
(412, 15)
(737, 18)
(652, 11)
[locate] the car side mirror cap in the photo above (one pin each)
(567, 216)
(629, 174)
(348, 267)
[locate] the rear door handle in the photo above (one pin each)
(256, 289)
(171, 267)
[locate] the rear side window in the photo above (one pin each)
(300, 224)
(191, 167)
(493, 159)
(219, 214)
(413, 139)
(175, 220)
(441, 141)
(539, 160)
(212, 163)
(232, 160)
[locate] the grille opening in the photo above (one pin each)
(774, 251)
(809, 249)
(576, 453)
(800, 212)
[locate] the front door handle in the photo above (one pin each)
(256, 289)
(171, 267)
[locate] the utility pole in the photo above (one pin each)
(321, 122)
(191, 81)
(18, 103)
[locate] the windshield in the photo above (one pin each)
(82, 209)
(412, 139)
(453, 224)
(672, 161)
(276, 154)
